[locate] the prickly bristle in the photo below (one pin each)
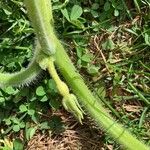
(25, 77)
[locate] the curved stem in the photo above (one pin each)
(75, 81)
(91, 105)
(53, 73)
(23, 77)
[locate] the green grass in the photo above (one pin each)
(120, 63)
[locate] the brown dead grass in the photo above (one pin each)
(75, 137)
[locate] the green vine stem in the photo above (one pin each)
(23, 77)
(75, 81)
(93, 108)
(38, 11)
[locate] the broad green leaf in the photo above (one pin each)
(93, 70)
(147, 38)
(44, 125)
(2, 99)
(79, 51)
(95, 6)
(94, 13)
(107, 6)
(31, 112)
(44, 99)
(15, 120)
(23, 108)
(65, 14)
(30, 132)
(35, 118)
(78, 24)
(10, 90)
(8, 121)
(18, 144)
(22, 124)
(52, 86)
(86, 57)
(116, 13)
(7, 12)
(16, 128)
(76, 12)
(40, 91)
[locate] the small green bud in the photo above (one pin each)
(63, 88)
(71, 104)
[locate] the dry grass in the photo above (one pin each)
(75, 137)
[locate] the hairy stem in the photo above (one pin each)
(53, 73)
(24, 77)
(38, 12)
(95, 109)
(75, 81)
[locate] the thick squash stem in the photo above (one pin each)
(38, 12)
(91, 105)
(75, 81)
